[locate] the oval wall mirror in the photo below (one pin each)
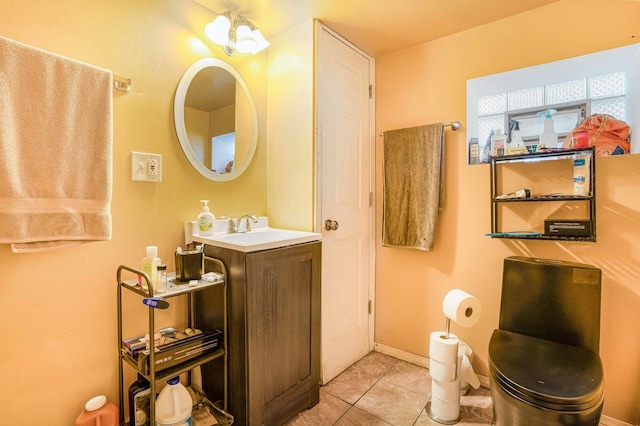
(216, 119)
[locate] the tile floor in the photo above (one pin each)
(380, 390)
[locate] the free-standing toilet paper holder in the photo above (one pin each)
(465, 310)
(429, 410)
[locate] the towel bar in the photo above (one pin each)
(121, 83)
(455, 126)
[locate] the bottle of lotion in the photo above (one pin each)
(205, 220)
(150, 265)
(581, 175)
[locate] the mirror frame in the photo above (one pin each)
(181, 131)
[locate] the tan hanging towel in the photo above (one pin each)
(55, 149)
(413, 185)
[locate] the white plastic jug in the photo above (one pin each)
(174, 405)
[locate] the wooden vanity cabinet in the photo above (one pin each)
(274, 332)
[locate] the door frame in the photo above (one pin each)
(317, 140)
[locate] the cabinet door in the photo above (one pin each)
(283, 326)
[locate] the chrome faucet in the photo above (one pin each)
(246, 218)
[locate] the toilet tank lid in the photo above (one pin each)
(546, 371)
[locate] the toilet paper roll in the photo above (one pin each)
(446, 391)
(461, 308)
(445, 400)
(466, 373)
(445, 372)
(445, 410)
(443, 349)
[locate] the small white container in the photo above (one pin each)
(498, 143)
(156, 340)
(582, 175)
(174, 405)
(150, 265)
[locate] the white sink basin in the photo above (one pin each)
(259, 239)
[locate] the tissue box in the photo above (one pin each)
(188, 265)
(567, 228)
(182, 350)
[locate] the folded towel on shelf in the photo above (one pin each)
(413, 186)
(55, 149)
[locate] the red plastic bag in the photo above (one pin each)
(609, 135)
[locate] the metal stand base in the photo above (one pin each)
(438, 419)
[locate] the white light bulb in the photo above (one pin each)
(262, 42)
(244, 40)
(218, 30)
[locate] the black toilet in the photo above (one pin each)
(543, 359)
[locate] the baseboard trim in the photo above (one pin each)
(420, 360)
(609, 421)
(423, 361)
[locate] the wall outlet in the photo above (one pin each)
(146, 167)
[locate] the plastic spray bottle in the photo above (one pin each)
(205, 220)
(549, 136)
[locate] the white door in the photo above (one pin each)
(344, 211)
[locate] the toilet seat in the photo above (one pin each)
(546, 374)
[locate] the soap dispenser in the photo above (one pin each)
(205, 220)
(549, 136)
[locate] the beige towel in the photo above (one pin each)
(413, 186)
(55, 149)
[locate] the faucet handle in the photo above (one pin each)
(232, 225)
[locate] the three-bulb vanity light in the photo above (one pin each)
(236, 35)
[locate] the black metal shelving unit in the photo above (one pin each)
(153, 376)
(497, 201)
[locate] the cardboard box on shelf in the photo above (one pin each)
(567, 228)
(174, 353)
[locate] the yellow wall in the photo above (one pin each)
(427, 84)
(290, 128)
(58, 309)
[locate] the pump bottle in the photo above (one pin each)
(205, 220)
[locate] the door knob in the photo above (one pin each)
(331, 225)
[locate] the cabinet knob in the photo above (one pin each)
(331, 225)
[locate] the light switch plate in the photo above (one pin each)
(146, 167)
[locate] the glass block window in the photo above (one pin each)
(527, 98)
(573, 100)
(487, 124)
(492, 104)
(607, 85)
(614, 107)
(569, 91)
